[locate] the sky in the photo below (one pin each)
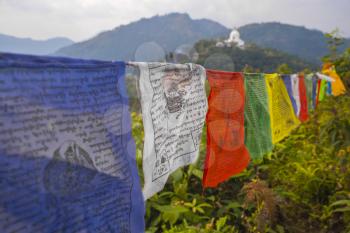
(82, 19)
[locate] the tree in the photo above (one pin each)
(341, 61)
(284, 69)
(342, 66)
(334, 41)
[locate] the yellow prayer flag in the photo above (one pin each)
(283, 119)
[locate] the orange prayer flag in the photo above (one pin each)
(338, 87)
(226, 152)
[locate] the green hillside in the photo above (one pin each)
(255, 58)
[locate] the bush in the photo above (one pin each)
(302, 186)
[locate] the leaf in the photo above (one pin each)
(220, 223)
(204, 205)
(199, 209)
(341, 202)
(165, 194)
(198, 173)
(234, 205)
(345, 209)
(280, 229)
(211, 198)
(170, 208)
(177, 175)
(170, 217)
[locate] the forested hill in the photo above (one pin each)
(307, 44)
(257, 59)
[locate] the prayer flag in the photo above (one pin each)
(174, 106)
(303, 113)
(67, 158)
(338, 87)
(287, 79)
(283, 119)
(322, 90)
(314, 91)
(256, 116)
(295, 92)
(309, 79)
(226, 152)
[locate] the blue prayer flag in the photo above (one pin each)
(288, 83)
(67, 158)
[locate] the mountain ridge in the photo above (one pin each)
(152, 39)
(308, 44)
(13, 44)
(168, 32)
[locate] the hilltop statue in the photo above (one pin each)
(233, 40)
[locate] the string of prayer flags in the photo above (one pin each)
(283, 119)
(67, 158)
(338, 87)
(174, 106)
(256, 116)
(226, 152)
(303, 113)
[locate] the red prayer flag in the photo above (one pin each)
(226, 152)
(303, 115)
(318, 91)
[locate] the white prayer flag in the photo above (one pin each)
(174, 107)
(295, 91)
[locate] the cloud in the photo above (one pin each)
(81, 19)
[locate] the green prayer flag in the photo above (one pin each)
(256, 115)
(323, 90)
(309, 86)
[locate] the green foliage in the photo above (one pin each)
(138, 135)
(235, 59)
(341, 61)
(302, 186)
(284, 69)
(311, 170)
(334, 40)
(342, 64)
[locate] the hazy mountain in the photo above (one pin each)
(150, 39)
(305, 43)
(146, 39)
(13, 44)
